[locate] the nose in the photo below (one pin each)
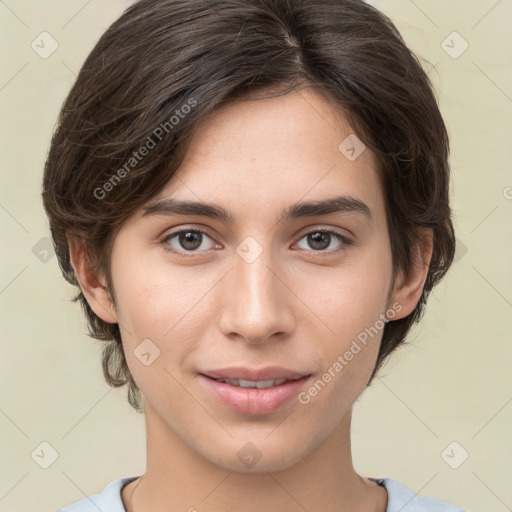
(256, 303)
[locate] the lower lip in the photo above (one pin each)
(254, 400)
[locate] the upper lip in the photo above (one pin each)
(267, 373)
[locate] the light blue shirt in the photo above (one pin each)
(400, 499)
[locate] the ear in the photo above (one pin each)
(92, 284)
(407, 289)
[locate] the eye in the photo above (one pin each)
(194, 240)
(320, 240)
(186, 240)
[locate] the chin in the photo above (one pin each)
(259, 455)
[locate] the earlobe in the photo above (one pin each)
(93, 286)
(407, 289)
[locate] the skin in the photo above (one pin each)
(290, 307)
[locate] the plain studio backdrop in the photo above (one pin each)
(438, 418)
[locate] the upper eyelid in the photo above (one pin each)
(175, 232)
(304, 231)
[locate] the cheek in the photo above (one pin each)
(167, 305)
(350, 347)
(154, 296)
(349, 302)
(155, 308)
(348, 298)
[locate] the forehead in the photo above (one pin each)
(267, 153)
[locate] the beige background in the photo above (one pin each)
(452, 383)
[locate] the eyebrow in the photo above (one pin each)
(338, 204)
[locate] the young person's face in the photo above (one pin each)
(257, 291)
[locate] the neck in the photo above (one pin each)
(178, 478)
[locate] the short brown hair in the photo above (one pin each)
(165, 64)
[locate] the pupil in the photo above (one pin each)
(320, 240)
(190, 240)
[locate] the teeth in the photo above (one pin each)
(260, 384)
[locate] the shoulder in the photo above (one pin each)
(108, 499)
(402, 499)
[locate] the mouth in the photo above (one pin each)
(256, 395)
(259, 384)
(269, 373)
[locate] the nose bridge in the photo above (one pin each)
(256, 305)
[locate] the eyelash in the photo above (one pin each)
(345, 241)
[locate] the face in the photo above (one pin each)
(197, 294)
